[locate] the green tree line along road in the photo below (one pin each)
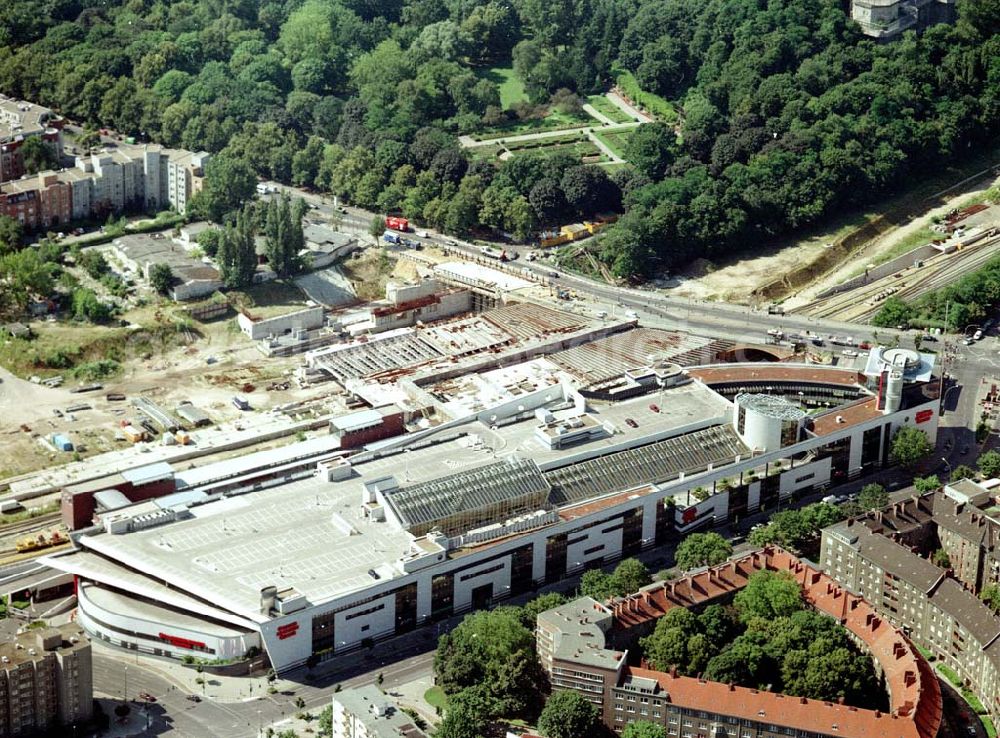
(783, 113)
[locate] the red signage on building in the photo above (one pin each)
(689, 515)
(287, 630)
(924, 415)
(181, 642)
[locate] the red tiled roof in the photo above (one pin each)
(775, 372)
(859, 412)
(826, 718)
(914, 693)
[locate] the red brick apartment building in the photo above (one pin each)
(583, 646)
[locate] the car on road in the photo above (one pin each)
(147, 697)
(423, 234)
(631, 423)
(554, 275)
(654, 407)
(193, 698)
(971, 730)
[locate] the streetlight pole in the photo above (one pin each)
(125, 690)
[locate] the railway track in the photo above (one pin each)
(861, 303)
(11, 556)
(30, 525)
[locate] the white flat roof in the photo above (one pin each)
(198, 475)
(292, 535)
(469, 270)
(149, 473)
(284, 537)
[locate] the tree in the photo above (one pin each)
(962, 471)
(872, 497)
(991, 596)
(597, 584)
(989, 462)
(797, 530)
(209, 241)
(629, 576)
(26, 274)
(38, 155)
(702, 549)
(283, 236)
(894, 312)
(651, 149)
(161, 278)
(909, 445)
(567, 715)
(237, 255)
(377, 227)
(667, 645)
(86, 306)
(11, 234)
(644, 729)
(468, 712)
(229, 182)
(493, 648)
(588, 189)
(926, 484)
(768, 595)
(940, 558)
(543, 602)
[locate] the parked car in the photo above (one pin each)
(631, 423)
(654, 407)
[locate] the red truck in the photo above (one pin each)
(397, 224)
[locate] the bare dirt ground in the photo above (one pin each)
(736, 280)
(217, 362)
(875, 248)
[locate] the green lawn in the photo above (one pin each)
(554, 121)
(609, 109)
(972, 699)
(575, 145)
(615, 140)
(511, 87)
(436, 698)
(657, 106)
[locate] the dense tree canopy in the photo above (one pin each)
(702, 549)
(568, 715)
(495, 648)
(909, 445)
(786, 113)
(628, 577)
(797, 530)
(989, 464)
(766, 639)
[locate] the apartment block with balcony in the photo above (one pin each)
(46, 682)
(935, 607)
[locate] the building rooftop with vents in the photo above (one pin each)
(366, 712)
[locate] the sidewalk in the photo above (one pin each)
(223, 689)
